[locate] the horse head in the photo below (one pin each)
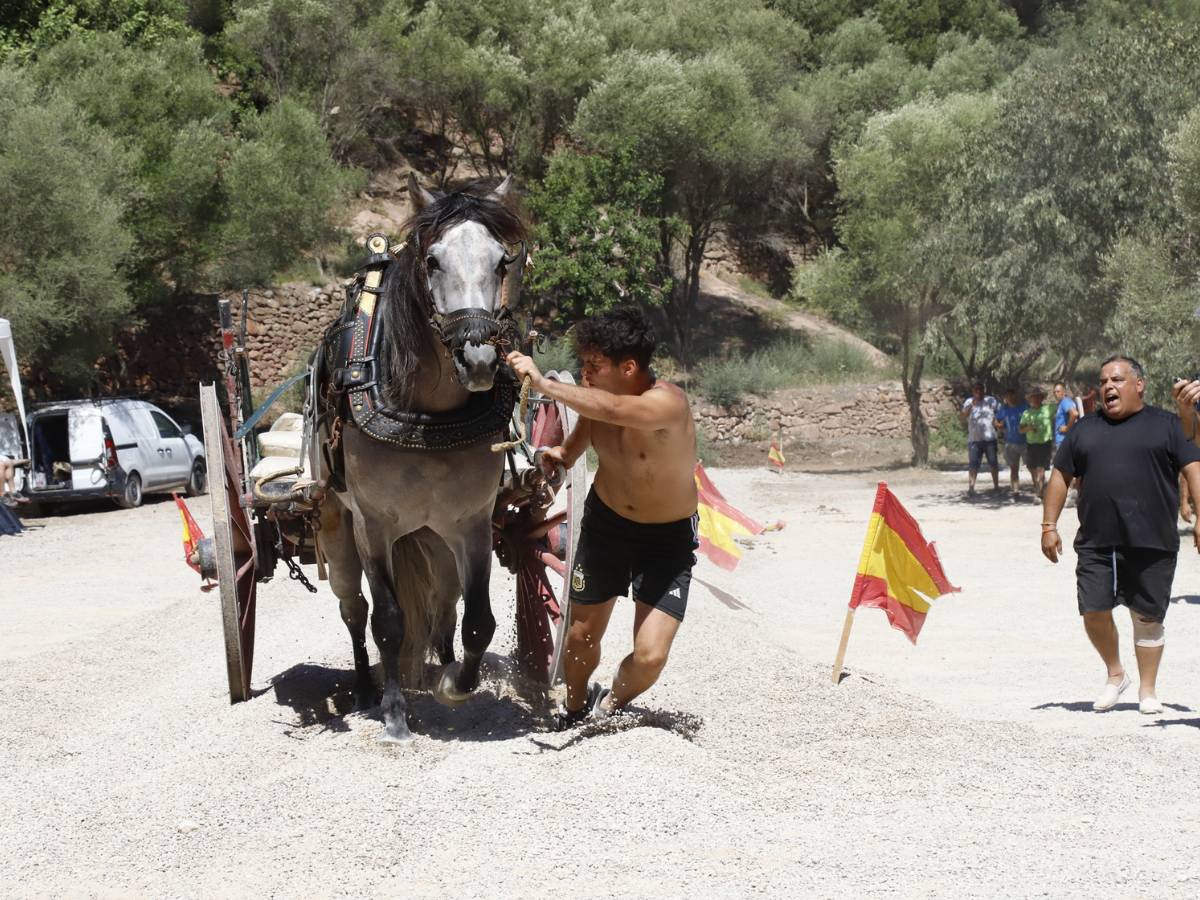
(466, 246)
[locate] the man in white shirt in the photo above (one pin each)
(979, 412)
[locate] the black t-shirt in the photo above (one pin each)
(1130, 471)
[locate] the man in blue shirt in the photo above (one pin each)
(1016, 451)
(1065, 414)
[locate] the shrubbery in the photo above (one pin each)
(787, 363)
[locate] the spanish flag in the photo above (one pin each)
(775, 456)
(191, 533)
(899, 571)
(721, 523)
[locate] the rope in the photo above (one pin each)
(524, 407)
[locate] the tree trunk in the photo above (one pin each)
(912, 368)
(919, 428)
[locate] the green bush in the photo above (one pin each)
(790, 362)
(557, 355)
(948, 432)
(64, 184)
(706, 449)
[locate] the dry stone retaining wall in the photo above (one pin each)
(170, 353)
(809, 415)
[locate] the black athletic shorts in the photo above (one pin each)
(615, 553)
(1040, 455)
(1136, 577)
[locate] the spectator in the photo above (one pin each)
(1065, 414)
(1008, 417)
(979, 411)
(8, 482)
(1187, 402)
(1087, 402)
(1129, 457)
(1037, 424)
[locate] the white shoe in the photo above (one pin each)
(1150, 706)
(1111, 693)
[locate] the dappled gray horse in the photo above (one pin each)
(413, 394)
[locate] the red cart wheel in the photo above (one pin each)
(539, 546)
(233, 543)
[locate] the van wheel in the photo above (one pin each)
(198, 480)
(132, 496)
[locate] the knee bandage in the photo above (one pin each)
(1146, 632)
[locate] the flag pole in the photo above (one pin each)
(841, 653)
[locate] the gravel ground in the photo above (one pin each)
(969, 765)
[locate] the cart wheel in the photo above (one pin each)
(547, 557)
(234, 545)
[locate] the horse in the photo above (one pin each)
(416, 518)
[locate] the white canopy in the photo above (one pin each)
(9, 353)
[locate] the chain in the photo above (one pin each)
(297, 574)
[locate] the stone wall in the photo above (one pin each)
(179, 346)
(809, 415)
(164, 358)
(285, 325)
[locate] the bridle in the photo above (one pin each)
(473, 324)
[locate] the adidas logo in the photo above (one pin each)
(674, 592)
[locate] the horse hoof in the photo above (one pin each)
(399, 736)
(447, 692)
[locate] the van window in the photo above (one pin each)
(166, 428)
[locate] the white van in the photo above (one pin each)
(121, 449)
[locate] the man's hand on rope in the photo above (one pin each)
(525, 367)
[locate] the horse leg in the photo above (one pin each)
(387, 627)
(444, 643)
(345, 578)
(354, 614)
(473, 554)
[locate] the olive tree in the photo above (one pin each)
(60, 257)
(896, 180)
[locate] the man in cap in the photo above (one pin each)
(1037, 424)
(1128, 457)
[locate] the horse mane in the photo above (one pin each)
(405, 333)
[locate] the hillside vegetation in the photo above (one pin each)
(1002, 187)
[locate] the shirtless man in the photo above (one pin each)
(639, 521)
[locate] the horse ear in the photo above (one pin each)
(421, 198)
(500, 191)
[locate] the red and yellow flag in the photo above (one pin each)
(775, 456)
(191, 533)
(721, 523)
(899, 571)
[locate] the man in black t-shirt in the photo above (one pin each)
(1129, 457)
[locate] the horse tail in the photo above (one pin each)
(426, 594)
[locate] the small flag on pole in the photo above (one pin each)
(721, 523)
(775, 456)
(191, 533)
(898, 572)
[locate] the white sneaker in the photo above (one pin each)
(1111, 693)
(1150, 706)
